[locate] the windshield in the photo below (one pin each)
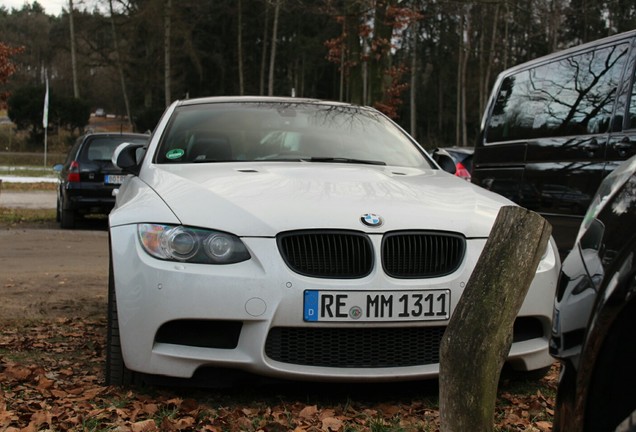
(271, 131)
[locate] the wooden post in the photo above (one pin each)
(479, 335)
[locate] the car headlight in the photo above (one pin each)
(194, 245)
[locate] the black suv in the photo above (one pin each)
(558, 125)
(88, 177)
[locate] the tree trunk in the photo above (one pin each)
(554, 19)
(440, 105)
(491, 59)
(367, 85)
(483, 13)
(120, 67)
(414, 72)
(240, 48)
(460, 61)
(343, 50)
(479, 335)
(464, 83)
(76, 92)
(261, 89)
(354, 88)
(167, 23)
(379, 57)
(506, 46)
(272, 57)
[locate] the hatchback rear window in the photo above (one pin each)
(102, 148)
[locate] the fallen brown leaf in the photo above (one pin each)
(331, 424)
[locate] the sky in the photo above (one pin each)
(51, 7)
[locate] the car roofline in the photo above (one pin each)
(264, 99)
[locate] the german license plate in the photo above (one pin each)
(114, 179)
(379, 306)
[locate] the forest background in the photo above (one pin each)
(429, 64)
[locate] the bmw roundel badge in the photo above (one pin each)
(371, 219)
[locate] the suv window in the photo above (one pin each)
(571, 96)
(632, 106)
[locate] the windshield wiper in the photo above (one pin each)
(343, 160)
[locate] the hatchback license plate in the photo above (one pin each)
(379, 306)
(114, 179)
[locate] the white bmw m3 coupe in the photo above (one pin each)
(296, 239)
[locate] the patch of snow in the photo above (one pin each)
(18, 179)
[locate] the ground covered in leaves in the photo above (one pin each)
(51, 379)
(51, 366)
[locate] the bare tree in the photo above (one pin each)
(264, 49)
(239, 36)
(76, 92)
(460, 60)
(414, 72)
(120, 67)
(167, 25)
(465, 79)
(491, 57)
(272, 57)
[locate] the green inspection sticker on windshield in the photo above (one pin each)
(175, 153)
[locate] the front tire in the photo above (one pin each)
(117, 373)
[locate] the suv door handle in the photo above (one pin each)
(591, 147)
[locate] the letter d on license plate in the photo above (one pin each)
(382, 306)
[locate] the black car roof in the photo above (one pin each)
(569, 51)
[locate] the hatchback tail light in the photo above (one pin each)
(73, 172)
(461, 171)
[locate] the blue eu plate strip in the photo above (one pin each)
(311, 306)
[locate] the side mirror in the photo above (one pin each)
(127, 157)
(445, 161)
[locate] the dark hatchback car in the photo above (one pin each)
(594, 322)
(88, 177)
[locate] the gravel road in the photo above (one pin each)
(47, 272)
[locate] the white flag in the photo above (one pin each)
(45, 115)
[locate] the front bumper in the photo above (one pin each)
(175, 318)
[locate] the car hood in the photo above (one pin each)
(263, 199)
